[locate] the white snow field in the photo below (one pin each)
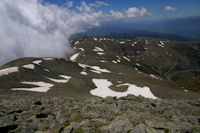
(7, 71)
(104, 91)
(42, 86)
(73, 57)
(29, 66)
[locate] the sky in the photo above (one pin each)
(160, 9)
(42, 28)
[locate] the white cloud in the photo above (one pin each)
(84, 7)
(29, 28)
(170, 9)
(99, 3)
(117, 14)
(135, 12)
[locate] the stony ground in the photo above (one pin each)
(44, 113)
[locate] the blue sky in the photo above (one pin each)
(184, 8)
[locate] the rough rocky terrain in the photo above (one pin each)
(45, 113)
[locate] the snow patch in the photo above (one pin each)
(29, 66)
(161, 44)
(126, 58)
(37, 62)
(81, 49)
(137, 64)
(65, 77)
(114, 61)
(7, 71)
(46, 70)
(77, 42)
(99, 53)
(104, 91)
(122, 42)
(83, 73)
(153, 76)
(65, 80)
(42, 86)
(48, 58)
(73, 57)
(98, 49)
(97, 68)
(102, 61)
(95, 38)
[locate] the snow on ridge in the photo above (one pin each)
(73, 57)
(104, 91)
(98, 49)
(7, 71)
(29, 66)
(37, 62)
(42, 86)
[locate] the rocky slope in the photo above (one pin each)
(45, 113)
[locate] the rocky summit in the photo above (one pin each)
(143, 85)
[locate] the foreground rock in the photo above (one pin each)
(42, 113)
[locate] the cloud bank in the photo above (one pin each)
(30, 28)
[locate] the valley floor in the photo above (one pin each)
(46, 113)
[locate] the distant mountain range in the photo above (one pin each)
(182, 29)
